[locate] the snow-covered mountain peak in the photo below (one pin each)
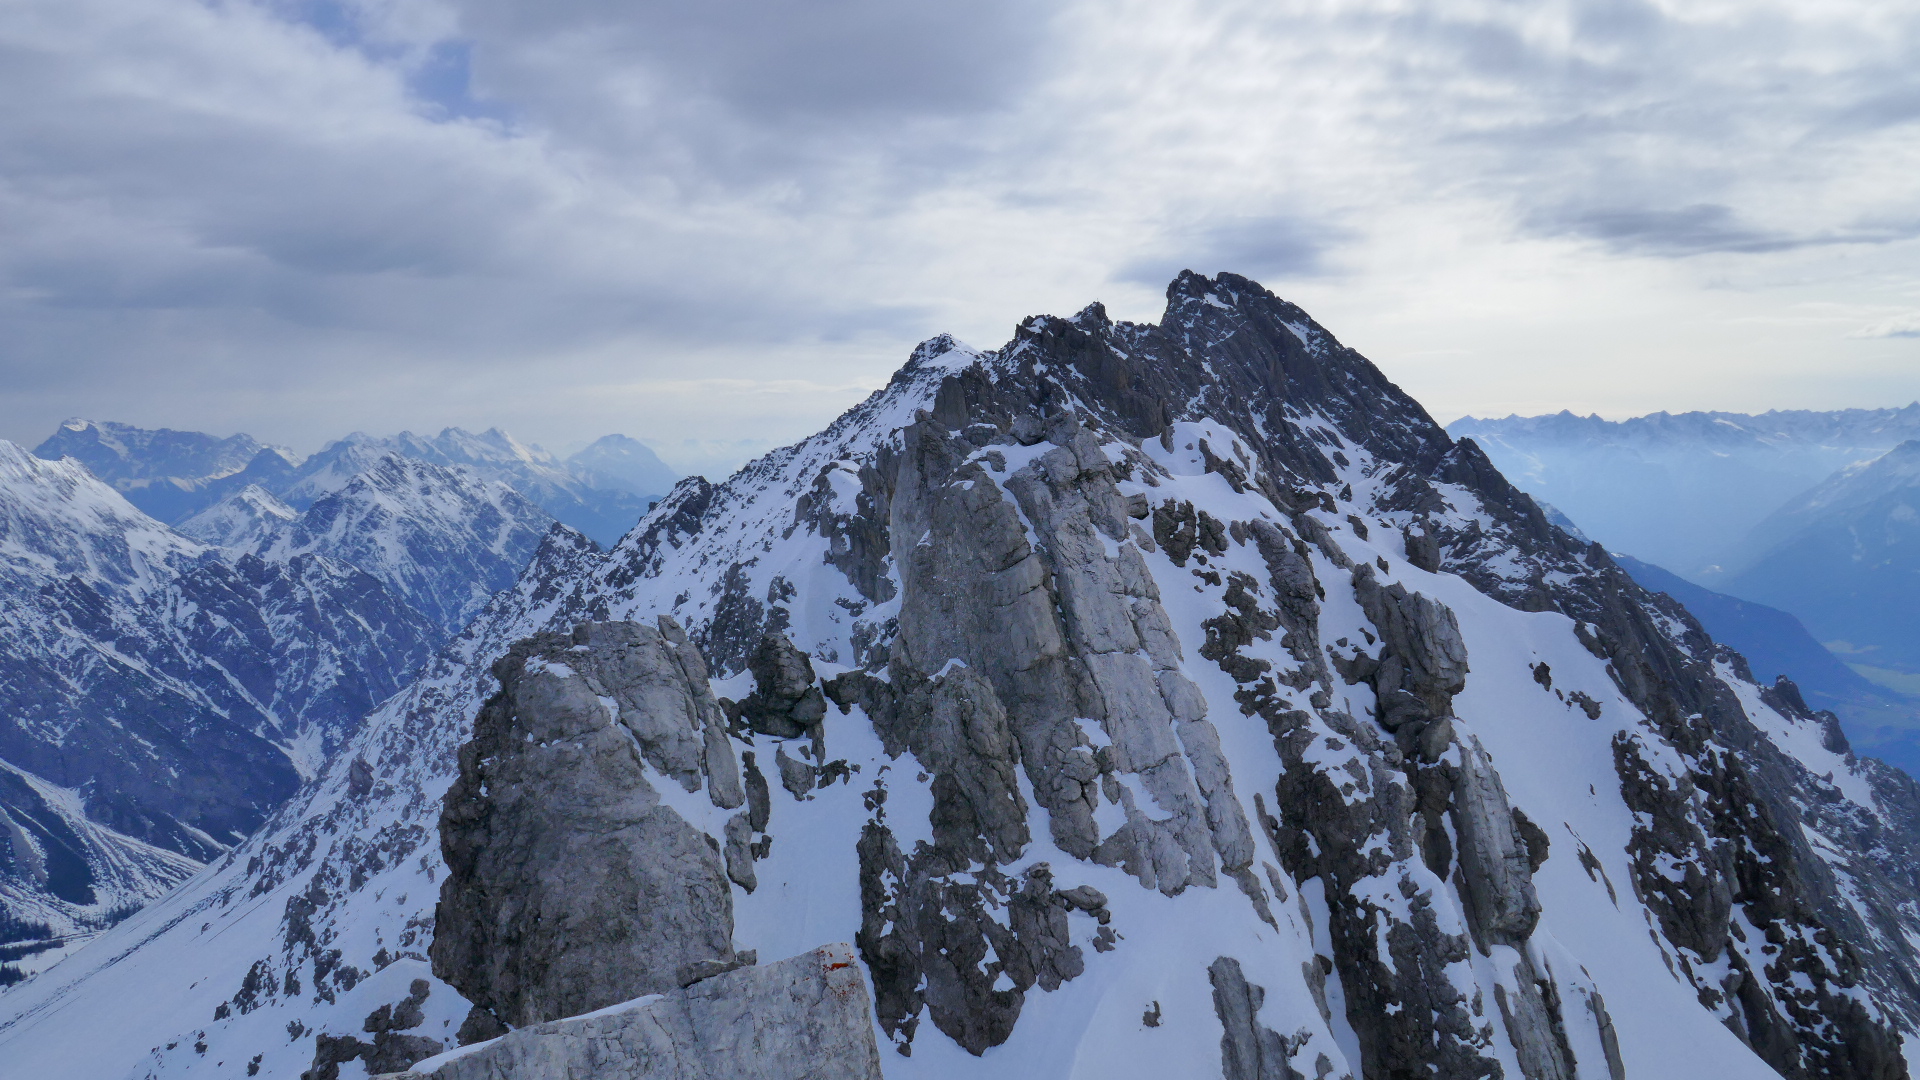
(1861, 483)
(246, 520)
(443, 538)
(1196, 703)
(125, 456)
(623, 463)
(58, 520)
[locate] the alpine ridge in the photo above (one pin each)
(157, 701)
(439, 537)
(1139, 700)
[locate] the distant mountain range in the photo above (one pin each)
(160, 697)
(1782, 532)
(1682, 490)
(190, 624)
(442, 539)
(174, 475)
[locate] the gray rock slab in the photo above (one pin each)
(805, 1018)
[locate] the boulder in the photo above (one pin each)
(570, 886)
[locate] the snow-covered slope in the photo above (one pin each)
(1376, 772)
(156, 701)
(1681, 491)
(439, 537)
(602, 513)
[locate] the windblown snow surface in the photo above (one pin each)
(327, 913)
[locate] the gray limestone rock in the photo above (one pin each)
(1422, 661)
(641, 670)
(739, 852)
(570, 886)
(805, 1018)
(1495, 861)
(1249, 1050)
(795, 775)
(1535, 1026)
(785, 702)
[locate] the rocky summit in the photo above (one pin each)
(1136, 700)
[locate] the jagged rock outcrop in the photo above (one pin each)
(804, 1018)
(1249, 1050)
(786, 701)
(571, 885)
(396, 1042)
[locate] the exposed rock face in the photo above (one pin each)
(395, 1044)
(804, 1018)
(1063, 630)
(570, 885)
(1249, 1050)
(1422, 661)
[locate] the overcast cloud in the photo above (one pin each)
(713, 225)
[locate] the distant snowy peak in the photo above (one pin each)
(58, 520)
(623, 464)
(169, 474)
(156, 700)
(1860, 485)
(604, 515)
(441, 537)
(123, 454)
(246, 520)
(492, 453)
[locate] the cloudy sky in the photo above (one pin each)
(713, 224)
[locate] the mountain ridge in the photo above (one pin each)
(160, 700)
(1181, 567)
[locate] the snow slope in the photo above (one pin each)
(1614, 724)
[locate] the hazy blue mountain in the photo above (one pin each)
(620, 463)
(1845, 558)
(1878, 721)
(1682, 490)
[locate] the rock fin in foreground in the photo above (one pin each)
(805, 1018)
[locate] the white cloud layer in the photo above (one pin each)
(714, 225)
